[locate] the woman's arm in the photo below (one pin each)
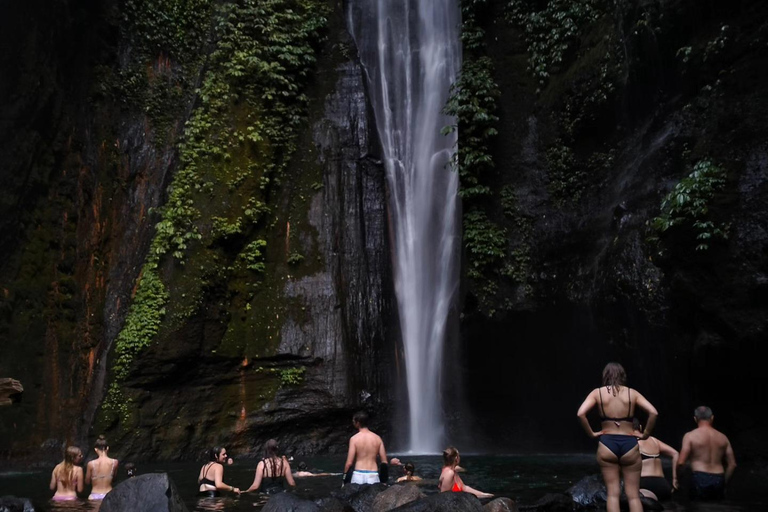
(88, 473)
(52, 485)
(288, 474)
(667, 450)
(218, 478)
(652, 414)
(257, 477)
(587, 406)
(79, 479)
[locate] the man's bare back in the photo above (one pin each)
(707, 447)
(364, 447)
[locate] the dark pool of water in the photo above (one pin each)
(522, 478)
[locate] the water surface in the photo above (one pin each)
(524, 478)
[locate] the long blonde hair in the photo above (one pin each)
(64, 469)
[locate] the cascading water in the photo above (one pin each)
(411, 52)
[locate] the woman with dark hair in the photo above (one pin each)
(211, 477)
(409, 476)
(653, 484)
(100, 471)
(67, 476)
(449, 477)
(617, 452)
(272, 470)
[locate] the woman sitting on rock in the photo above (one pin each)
(100, 471)
(450, 479)
(211, 477)
(272, 470)
(67, 476)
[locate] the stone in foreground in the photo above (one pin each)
(152, 492)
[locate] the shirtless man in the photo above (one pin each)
(706, 447)
(364, 447)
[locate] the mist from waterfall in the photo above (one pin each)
(411, 53)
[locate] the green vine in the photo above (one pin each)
(248, 108)
(688, 204)
(551, 31)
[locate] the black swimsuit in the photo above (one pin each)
(205, 480)
(275, 482)
(619, 444)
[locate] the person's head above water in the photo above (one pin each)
(302, 466)
(130, 469)
(72, 455)
(614, 375)
(217, 454)
(271, 449)
(450, 456)
(360, 419)
(101, 444)
(409, 468)
(703, 413)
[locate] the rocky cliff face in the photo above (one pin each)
(272, 317)
(619, 131)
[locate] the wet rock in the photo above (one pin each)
(333, 505)
(9, 390)
(444, 502)
(14, 504)
(589, 491)
(154, 492)
(396, 496)
(359, 497)
(553, 502)
(501, 505)
(287, 502)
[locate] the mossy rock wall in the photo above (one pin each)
(205, 256)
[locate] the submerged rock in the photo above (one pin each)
(287, 502)
(14, 504)
(154, 492)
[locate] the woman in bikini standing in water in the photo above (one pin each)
(211, 477)
(449, 477)
(67, 476)
(100, 471)
(617, 452)
(271, 471)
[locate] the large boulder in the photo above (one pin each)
(444, 502)
(153, 492)
(396, 496)
(359, 497)
(14, 504)
(287, 502)
(501, 505)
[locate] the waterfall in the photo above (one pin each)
(411, 53)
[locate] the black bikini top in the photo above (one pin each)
(205, 479)
(646, 456)
(603, 417)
